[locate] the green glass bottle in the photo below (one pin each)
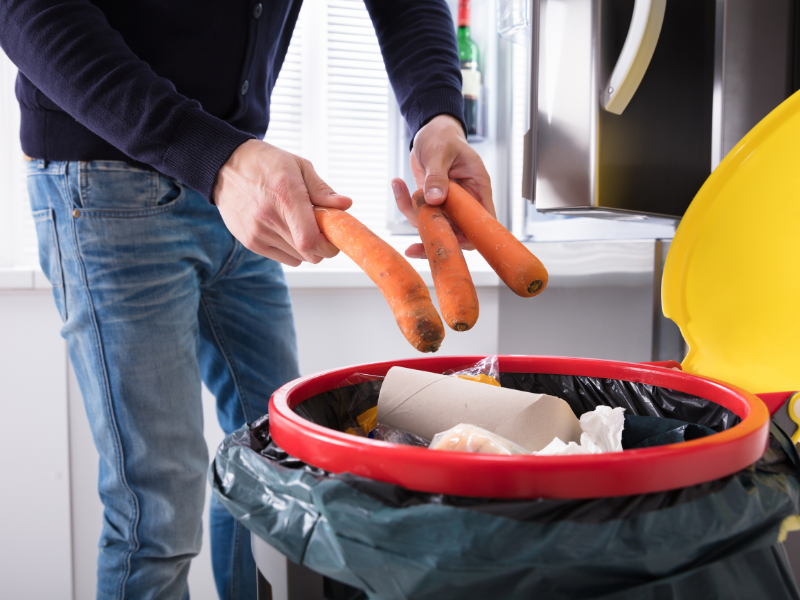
(469, 55)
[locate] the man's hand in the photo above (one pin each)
(265, 197)
(441, 153)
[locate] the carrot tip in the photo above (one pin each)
(434, 347)
(460, 326)
(535, 286)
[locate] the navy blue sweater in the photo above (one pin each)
(179, 84)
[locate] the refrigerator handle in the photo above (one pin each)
(648, 16)
(529, 141)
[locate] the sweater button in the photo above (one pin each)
(245, 87)
(257, 10)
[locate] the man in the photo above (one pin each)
(161, 221)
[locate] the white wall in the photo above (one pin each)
(35, 528)
(349, 326)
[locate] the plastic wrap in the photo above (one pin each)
(397, 436)
(484, 371)
(471, 438)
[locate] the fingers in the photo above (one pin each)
(416, 251)
(267, 242)
(403, 198)
(441, 153)
(417, 170)
(320, 193)
(304, 232)
(464, 242)
(280, 257)
(437, 180)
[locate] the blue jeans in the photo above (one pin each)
(156, 295)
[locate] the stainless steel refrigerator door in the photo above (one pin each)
(653, 158)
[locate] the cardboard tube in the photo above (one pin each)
(426, 404)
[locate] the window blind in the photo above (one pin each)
(358, 112)
(331, 104)
(286, 118)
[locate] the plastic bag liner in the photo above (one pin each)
(381, 541)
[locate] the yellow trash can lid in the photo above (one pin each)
(732, 276)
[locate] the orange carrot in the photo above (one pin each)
(519, 269)
(397, 280)
(458, 299)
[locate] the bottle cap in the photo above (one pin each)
(463, 13)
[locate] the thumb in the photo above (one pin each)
(436, 180)
(320, 193)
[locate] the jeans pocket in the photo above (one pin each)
(169, 191)
(114, 189)
(50, 255)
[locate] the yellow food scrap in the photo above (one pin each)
(368, 419)
(481, 378)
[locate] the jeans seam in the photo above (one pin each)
(83, 187)
(234, 585)
(153, 189)
(103, 213)
(98, 347)
(65, 185)
(234, 258)
(219, 338)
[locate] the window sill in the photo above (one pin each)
(570, 264)
(332, 273)
(337, 272)
(23, 278)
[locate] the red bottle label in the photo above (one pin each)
(463, 13)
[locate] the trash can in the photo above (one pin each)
(694, 519)
(696, 510)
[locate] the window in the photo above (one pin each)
(17, 233)
(332, 104)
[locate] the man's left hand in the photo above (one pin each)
(440, 154)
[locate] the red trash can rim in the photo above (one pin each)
(630, 472)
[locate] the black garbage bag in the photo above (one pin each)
(715, 540)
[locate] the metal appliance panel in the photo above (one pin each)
(653, 157)
(718, 68)
(568, 103)
(755, 69)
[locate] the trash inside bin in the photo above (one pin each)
(659, 392)
(712, 539)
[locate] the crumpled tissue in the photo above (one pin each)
(602, 432)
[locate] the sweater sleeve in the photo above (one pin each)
(68, 50)
(419, 48)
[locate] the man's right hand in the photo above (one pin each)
(265, 197)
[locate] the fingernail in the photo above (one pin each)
(396, 189)
(434, 194)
